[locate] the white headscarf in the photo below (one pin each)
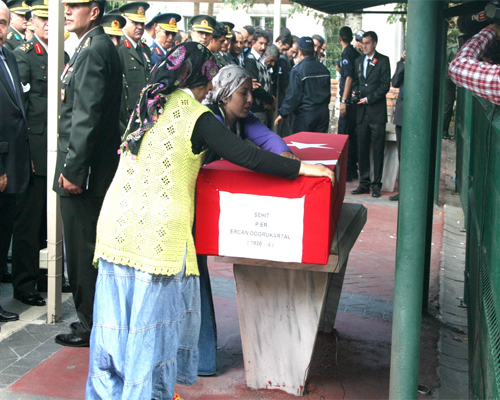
(225, 83)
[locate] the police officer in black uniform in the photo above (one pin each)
(135, 55)
(18, 24)
(347, 120)
(308, 92)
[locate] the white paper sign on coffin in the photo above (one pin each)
(261, 227)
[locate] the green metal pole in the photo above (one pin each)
(414, 180)
(435, 147)
(441, 83)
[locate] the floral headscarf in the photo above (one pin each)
(229, 78)
(186, 65)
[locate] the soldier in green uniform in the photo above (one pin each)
(135, 55)
(89, 135)
(222, 58)
(18, 24)
(202, 28)
(30, 227)
(113, 25)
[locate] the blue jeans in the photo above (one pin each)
(207, 344)
(145, 334)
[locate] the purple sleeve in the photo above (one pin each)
(262, 136)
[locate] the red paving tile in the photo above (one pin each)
(62, 375)
(360, 364)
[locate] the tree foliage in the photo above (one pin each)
(393, 18)
(111, 5)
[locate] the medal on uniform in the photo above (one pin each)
(63, 94)
(65, 70)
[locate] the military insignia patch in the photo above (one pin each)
(38, 49)
(17, 36)
(87, 43)
(204, 22)
(126, 43)
(46, 3)
(115, 24)
(173, 22)
(158, 51)
(141, 11)
(9, 35)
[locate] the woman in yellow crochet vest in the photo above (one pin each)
(147, 302)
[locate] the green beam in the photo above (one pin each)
(414, 189)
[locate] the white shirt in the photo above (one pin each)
(258, 57)
(4, 60)
(365, 63)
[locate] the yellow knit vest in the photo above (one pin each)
(147, 216)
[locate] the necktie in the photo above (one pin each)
(139, 52)
(368, 61)
(3, 68)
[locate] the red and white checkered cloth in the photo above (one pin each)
(479, 77)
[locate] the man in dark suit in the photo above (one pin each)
(135, 56)
(372, 80)
(14, 146)
(256, 67)
(398, 82)
(18, 24)
(30, 225)
(86, 151)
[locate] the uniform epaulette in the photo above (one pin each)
(87, 42)
(26, 47)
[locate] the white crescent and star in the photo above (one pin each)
(309, 145)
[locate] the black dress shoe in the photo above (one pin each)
(376, 193)
(6, 316)
(74, 326)
(32, 299)
(7, 277)
(361, 190)
(71, 340)
(394, 198)
(66, 287)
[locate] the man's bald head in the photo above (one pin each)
(4, 22)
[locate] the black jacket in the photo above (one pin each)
(375, 86)
(308, 88)
(89, 134)
(398, 82)
(262, 95)
(14, 142)
(32, 61)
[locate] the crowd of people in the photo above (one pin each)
(126, 170)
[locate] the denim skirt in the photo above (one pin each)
(145, 334)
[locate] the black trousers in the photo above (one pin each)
(371, 134)
(7, 214)
(347, 126)
(316, 120)
(80, 216)
(29, 236)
